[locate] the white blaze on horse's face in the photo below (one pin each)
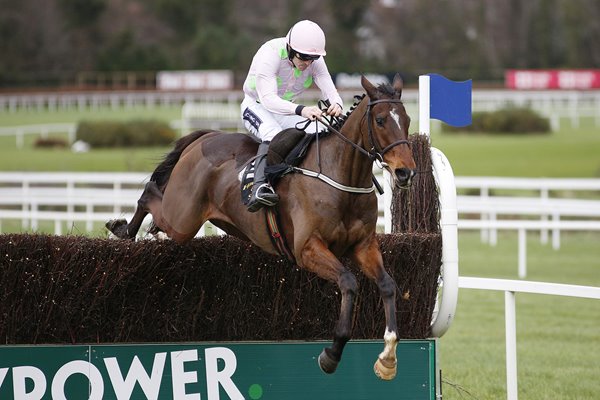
(396, 117)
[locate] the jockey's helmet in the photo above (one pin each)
(306, 37)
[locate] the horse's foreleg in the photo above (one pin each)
(316, 257)
(370, 260)
(124, 230)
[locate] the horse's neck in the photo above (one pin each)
(356, 123)
(342, 160)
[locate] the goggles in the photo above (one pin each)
(307, 57)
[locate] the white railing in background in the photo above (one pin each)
(65, 198)
(522, 226)
(552, 104)
(510, 287)
(24, 194)
(81, 101)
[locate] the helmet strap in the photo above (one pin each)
(291, 54)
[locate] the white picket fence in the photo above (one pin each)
(66, 198)
(510, 288)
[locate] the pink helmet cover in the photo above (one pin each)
(307, 37)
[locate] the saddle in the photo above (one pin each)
(286, 150)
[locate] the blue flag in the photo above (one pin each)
(450, 101)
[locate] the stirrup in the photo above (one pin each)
(269, 198)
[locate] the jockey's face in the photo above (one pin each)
(300, 63)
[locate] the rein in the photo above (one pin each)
(375, 154)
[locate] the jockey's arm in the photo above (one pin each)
(328, 90)
(266, 88)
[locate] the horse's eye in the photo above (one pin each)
(380, 120)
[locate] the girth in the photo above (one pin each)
(278, 240)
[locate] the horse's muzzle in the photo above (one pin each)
(404, 177)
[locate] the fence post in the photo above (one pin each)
(522, 253)
(544, 195)
(556, 232)
(511, 345)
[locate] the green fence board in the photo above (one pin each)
(210, 371)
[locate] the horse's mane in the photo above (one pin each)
(339, 122)
(384, 89)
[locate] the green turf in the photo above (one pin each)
(558, 338)
(30, 158)
(566, 153)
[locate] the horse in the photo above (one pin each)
(321, 220)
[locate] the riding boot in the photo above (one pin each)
(262, 192)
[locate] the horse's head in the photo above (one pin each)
(387, 128)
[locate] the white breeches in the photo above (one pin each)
(265, 125)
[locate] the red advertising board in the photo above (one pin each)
(573, 79)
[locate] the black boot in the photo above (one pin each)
(262, 192)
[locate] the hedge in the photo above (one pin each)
(125, 134)
(72, 289)
(505, 121)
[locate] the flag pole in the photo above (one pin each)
(424, 104)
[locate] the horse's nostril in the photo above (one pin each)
(404, 174)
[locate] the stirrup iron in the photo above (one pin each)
(268, 199)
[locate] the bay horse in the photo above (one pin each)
(199, 181)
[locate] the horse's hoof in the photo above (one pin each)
(115, 223)
(118, 227)
(385, 370)
(326, 363)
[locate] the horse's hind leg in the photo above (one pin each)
(368, 256)
(316, 257)
(124, 230)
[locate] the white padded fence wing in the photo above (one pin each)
(448, 297)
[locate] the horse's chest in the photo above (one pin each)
(351, 225)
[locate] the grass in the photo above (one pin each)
(30, 158)
(104, 160)
(558, 337)
(565, 153)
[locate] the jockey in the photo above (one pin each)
(281, 70)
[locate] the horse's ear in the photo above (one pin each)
(368, 86)
(398, 84)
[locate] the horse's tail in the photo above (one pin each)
(162, 173)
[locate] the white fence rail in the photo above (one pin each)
(81, 101)
(66, 198)
(510, 287)
(554, 105)
(34, 192)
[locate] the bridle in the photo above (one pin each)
(375, 153)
